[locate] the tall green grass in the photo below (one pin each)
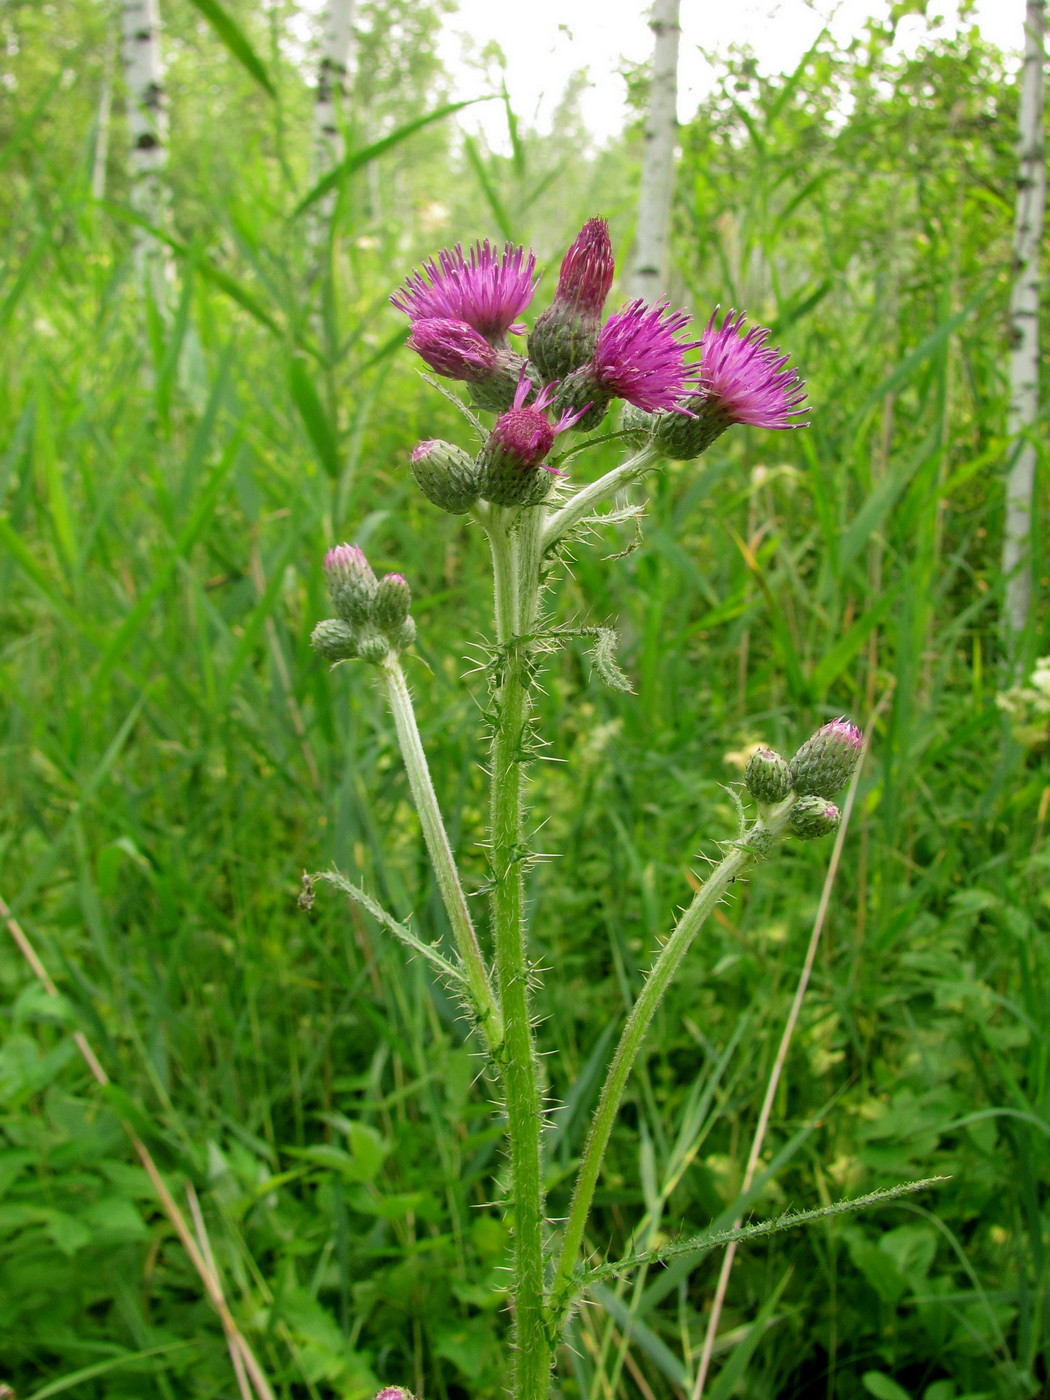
(173, 757)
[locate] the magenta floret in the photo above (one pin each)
(639, 357)
(486, 288)
(587, 270)
(745, 378)
(453, 349)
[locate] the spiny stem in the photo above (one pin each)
(485, 1003)
(631, 1038)
(515, 555)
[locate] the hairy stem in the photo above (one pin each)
(486, 1007)
(652, 993)
(583, 503)
(514, 538)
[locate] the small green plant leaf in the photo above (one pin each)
(232, 35)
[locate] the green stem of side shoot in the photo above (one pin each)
(486, 1007)
(631, 1038)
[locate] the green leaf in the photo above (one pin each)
(231, 34)
(732, 1373)
(100, 1368)
(658, 1352)
(488, 189)
(314, 417)
(356, 159)
(215, 275)
(880, 1385)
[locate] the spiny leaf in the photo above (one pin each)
(426, 950)
(706, 1241)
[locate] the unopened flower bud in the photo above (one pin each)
(767, 776)
(391, 603)
(825, 763)
(334, 640)
(812, 817)
(405, 635)
(372, 646)
(351, 582)
(446, 475)
(565, 335)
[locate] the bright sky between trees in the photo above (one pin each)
(557, 38)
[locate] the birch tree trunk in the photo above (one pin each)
(336, 57)
(148, 130)
(1024, 335)
(651, 261)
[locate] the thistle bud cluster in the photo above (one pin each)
(372, 617)
(820, 768)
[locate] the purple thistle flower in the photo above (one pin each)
(744, 379)
(453, 349)
(487, 289)
(512, 458)
(564, 337)
(639, 358)
(458, 351)
(587, 270)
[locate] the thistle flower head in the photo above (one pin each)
(453, 349)
(391, 603)
(517, 445)
(564, 337)
(394, 1392)
(638, 356)
(744, 379)
(484, 287)
(587, 270)
(825, 762)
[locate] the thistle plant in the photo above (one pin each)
(464, 307)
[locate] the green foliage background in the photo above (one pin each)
(173, 755)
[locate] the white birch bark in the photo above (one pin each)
(148, 131)
(337, 45)
(336, 51)
(1024, 332)
(651, 261)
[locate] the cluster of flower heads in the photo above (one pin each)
(371, 619)
(464, 306)
(821, 768)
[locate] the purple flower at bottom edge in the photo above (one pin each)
(639, 358)
(486, 288)
(747, 377)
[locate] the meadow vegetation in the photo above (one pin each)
(174, 755)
